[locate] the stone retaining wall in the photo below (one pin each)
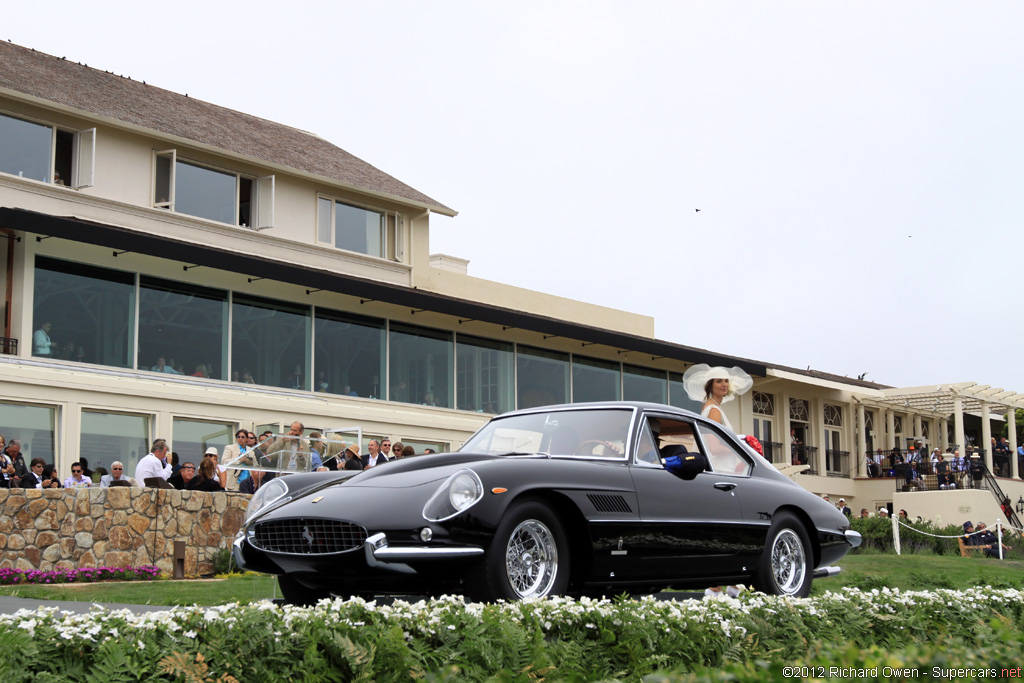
(116, 527)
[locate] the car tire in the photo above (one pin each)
(294, 593)
(527, 558)
(787, 561)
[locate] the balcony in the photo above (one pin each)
(837, 463)
(774, 454)
(806, 455)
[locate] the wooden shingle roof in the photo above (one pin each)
(96, 92)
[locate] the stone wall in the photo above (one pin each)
(116, 527)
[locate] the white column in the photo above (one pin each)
(986, 435)
(917, 428)
(958, 424)
(890, 429)
(862, 443)
(943, 434)
(1011, 436)
(787, 438)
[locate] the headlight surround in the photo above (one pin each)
(265, 496)
(457, 494)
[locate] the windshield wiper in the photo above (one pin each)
(546, 455)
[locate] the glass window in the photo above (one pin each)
(107, 437)
(191, 438)
(182, 328)
(33, 426)
(83, 313)
(595, 380)
(357, 229)
(542, 377)
(366, 231)
(349, 354)
(677, 395)
(270, 341)
(420, 366)
(484, 375)
(595, 433)
(204, 192)
(25, 148)
(644, 384)
(723, 455)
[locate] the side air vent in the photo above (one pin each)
(608, 503)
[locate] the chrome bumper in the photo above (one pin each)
(377, 548)
(853, 538)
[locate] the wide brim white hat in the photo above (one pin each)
(697, 376)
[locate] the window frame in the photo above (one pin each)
(83, 152)
(262, 207)
(394, 231)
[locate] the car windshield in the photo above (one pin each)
(595, 433)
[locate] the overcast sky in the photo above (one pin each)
(856, 164)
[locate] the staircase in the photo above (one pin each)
(993, 486)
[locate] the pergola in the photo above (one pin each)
(956, 399)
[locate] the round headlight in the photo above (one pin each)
(266, 495)
(460, 491)
(463, 491)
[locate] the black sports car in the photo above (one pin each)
(594, 498)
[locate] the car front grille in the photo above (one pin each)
(307, 536)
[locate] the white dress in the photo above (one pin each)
(725, 421)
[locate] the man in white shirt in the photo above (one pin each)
(77, 480)
(41, 344)
(154, 464)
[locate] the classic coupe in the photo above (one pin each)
(579, 499)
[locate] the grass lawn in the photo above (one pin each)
(865, 571)
(244, 589)
(922, 572)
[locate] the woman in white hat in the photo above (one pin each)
(715, 386)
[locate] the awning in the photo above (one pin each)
(161, 246)
(940, 398)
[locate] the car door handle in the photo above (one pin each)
(724, 486)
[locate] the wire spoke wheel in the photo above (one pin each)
(531, 559)
(789, 562)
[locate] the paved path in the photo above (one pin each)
(10, 605)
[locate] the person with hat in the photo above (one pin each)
(975, 539)
(844, 508)
(977, 470)
(352, 460)
(715, 386)
(221, 472)
(883, 513)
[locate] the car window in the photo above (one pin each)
(592, 433)
(722, 454)
(646, 450)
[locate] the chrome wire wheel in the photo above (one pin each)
(789, 562)
(531, 559)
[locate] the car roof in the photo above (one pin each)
(632, 405)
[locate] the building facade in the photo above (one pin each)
(178, 270)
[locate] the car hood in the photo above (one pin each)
(409, 472)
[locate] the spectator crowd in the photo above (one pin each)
(162, 468)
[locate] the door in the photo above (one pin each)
(687, 529)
